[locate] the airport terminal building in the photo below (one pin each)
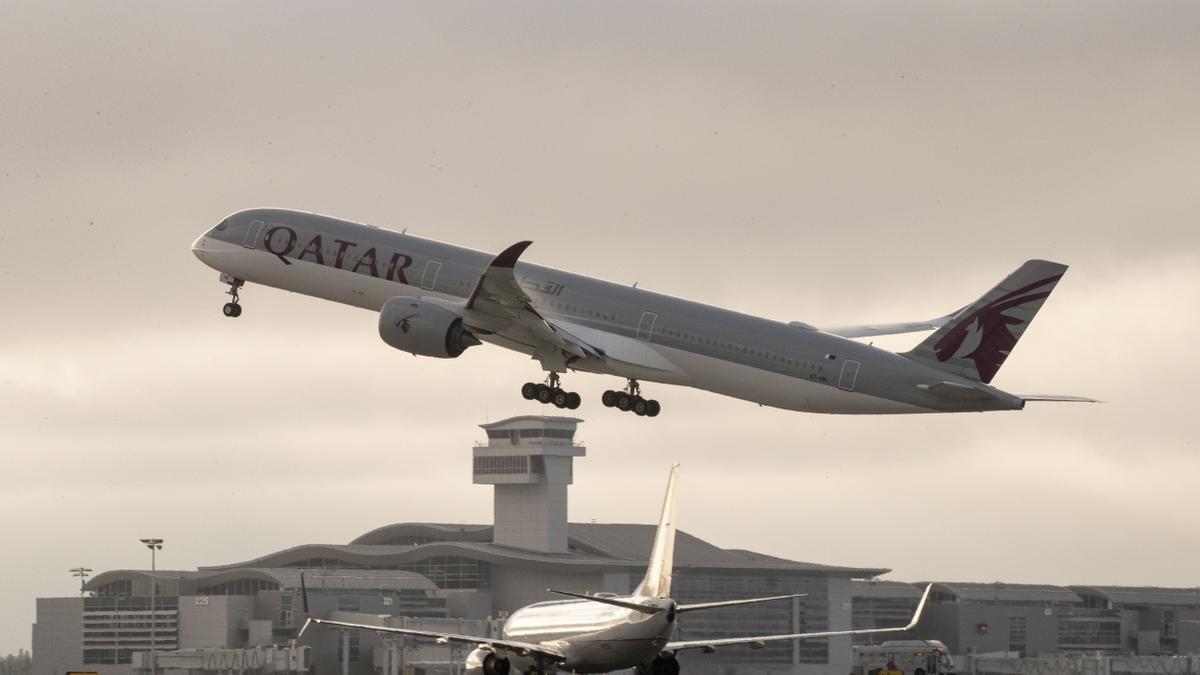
(466, 579)
(459, 578)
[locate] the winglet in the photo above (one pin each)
(508, 257)
(505, 261)
(657, 583)
(920, 608)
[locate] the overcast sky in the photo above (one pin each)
(826, 162)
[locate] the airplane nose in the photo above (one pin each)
(200, 245)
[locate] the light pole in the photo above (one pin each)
(155, 545)
(82, 573)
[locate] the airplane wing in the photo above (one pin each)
(868, 330)
(522, 648)
(710, 646)
(504, 305)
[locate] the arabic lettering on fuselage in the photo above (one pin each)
(281, 241)
(546, 288)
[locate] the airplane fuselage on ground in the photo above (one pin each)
(638, 334)
(592, 635)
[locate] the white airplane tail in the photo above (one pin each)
(657, 582)
(975, 343)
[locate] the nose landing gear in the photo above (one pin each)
(551, 392)
(630, 399)
(232, 309)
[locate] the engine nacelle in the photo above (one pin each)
(486, 662)
(424, 328)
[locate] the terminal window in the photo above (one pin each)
(1016, 634)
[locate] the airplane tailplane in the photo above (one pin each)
(975, 343)
(657, 582)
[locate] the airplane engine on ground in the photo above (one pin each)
(424, 328)
(485, 662)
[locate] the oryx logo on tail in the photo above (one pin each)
(984, 337)
(975, 343)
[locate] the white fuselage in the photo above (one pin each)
(597, 638)
(687, 343)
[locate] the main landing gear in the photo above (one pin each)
(663, 664)
(232, 309)
(630, 399)
(551, 393)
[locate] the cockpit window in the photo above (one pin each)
(220, 227)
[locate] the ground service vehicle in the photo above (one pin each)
(902, 657)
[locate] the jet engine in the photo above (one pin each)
(485, 662)
(424, 328)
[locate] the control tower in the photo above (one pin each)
(528, 458)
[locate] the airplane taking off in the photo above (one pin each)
(604, 632)
(435, 299)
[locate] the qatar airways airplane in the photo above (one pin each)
(435, 299)
(605, 632)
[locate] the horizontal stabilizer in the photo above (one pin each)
(637, 607)
(1066, 398)
(869, 330)
(730, 603)
(953, 391)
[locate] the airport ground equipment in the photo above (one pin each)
(902, 657)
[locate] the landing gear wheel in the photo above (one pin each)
(529, 391)
(573, 401)
(639, 406)
(494, 665)
(544, 393)
(560, 398)
(653, 408)
(232, 309)
(624, 401)
(609, 398)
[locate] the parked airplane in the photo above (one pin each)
(435, 299)
(605, 632)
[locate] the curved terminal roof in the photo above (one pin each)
(878, 588)
(997, 592)
(287, 578)
(1143, 595)
(411, 533)
(621, 546)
